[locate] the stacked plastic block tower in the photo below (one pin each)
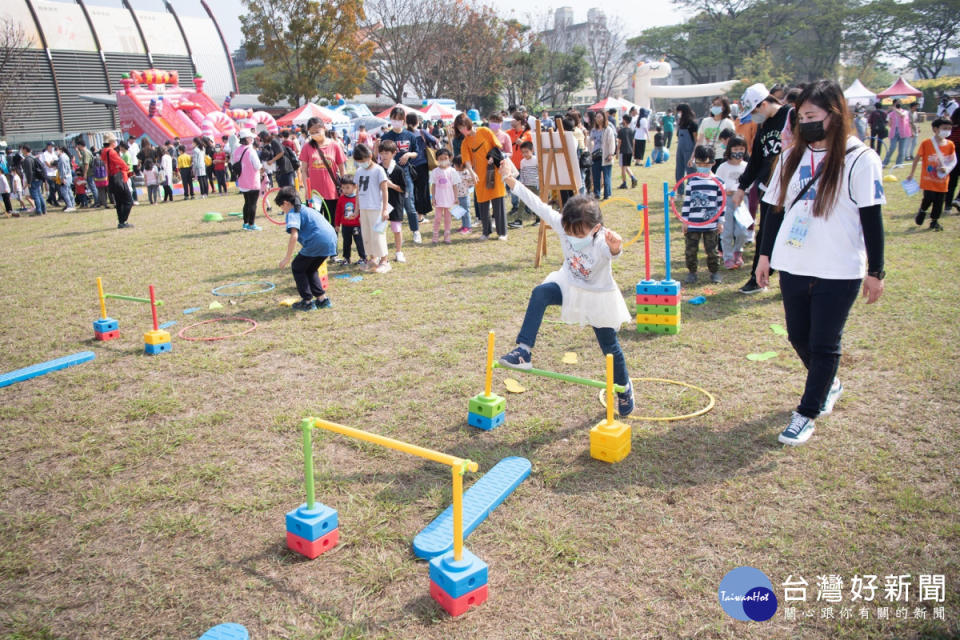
(310, 532)
(458, 585)
(658, 306)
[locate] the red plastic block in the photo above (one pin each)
(665, 300)
(107, 335)
(325, 282)
(313, 549)
(458, 606)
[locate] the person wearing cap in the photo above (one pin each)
(117, 175)
(772, 117)
(249, 179)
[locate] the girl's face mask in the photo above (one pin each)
(396, 124)
(443, 164)
(736, 155)
(716, 110)
(495, 126)
(579, 244)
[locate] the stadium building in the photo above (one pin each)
(78, 52)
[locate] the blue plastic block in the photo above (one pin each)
(35, 370)
(105, 325)
(312, 524)
(167, 325)
(226, 631)
(483, 422)
(655, 288)
(458, 578)
(479, 500)
(154, 349)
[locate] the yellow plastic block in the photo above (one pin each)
(650, 319)
(322, 271)
(610, 442)
(156, 337)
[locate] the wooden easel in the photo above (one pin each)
(548, 170)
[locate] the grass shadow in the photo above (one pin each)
(688, 454)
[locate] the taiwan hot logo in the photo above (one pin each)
(747, 594)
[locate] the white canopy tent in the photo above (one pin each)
(857, 94)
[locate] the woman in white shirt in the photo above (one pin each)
(825, 236)
(710, 127)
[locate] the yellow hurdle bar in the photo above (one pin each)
(458, 466)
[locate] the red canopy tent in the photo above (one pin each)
(608, 103)
(386, 113)
(304, 113)
(900, 89)
(436, 111)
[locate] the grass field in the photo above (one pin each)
(143, 497)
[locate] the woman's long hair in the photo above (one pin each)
(827, 95)
(686, 115)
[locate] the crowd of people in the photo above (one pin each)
(800, 178)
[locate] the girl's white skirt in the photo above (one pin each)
(601, 309)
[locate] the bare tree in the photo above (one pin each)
(607, 54)
(402, 31)
(13, 71)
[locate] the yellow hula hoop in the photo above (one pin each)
(634, 204)
(713, 401)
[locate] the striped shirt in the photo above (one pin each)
(529, 176)
(701, 202)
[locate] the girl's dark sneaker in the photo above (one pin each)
(625, 401)
(519, 358)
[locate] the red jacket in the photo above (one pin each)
(347, 206)
(114, 163)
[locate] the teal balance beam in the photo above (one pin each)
(599, 384)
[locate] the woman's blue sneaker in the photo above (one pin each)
(519, 358)
(798, 431)
(324, 304)
(304, 305)
(625, 401)
(246, 227)
(836, 390)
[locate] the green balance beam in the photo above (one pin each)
(562, 376)
(117, 296)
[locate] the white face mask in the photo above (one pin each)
(944, 133)
(579, 244)
(758, 117)
(443, 164)
(397, 125)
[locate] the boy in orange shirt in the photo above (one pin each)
(939, 158)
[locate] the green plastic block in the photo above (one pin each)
(487, 406)
(658, 310)
(658, 328)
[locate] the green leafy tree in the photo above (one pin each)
(308, 47)
(931, 32)
(758, 67)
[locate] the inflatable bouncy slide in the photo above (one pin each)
(152, 103)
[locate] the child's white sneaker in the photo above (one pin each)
(417, 238)
(400, 257)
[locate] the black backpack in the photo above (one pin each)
(237, 167)
(291, 158)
